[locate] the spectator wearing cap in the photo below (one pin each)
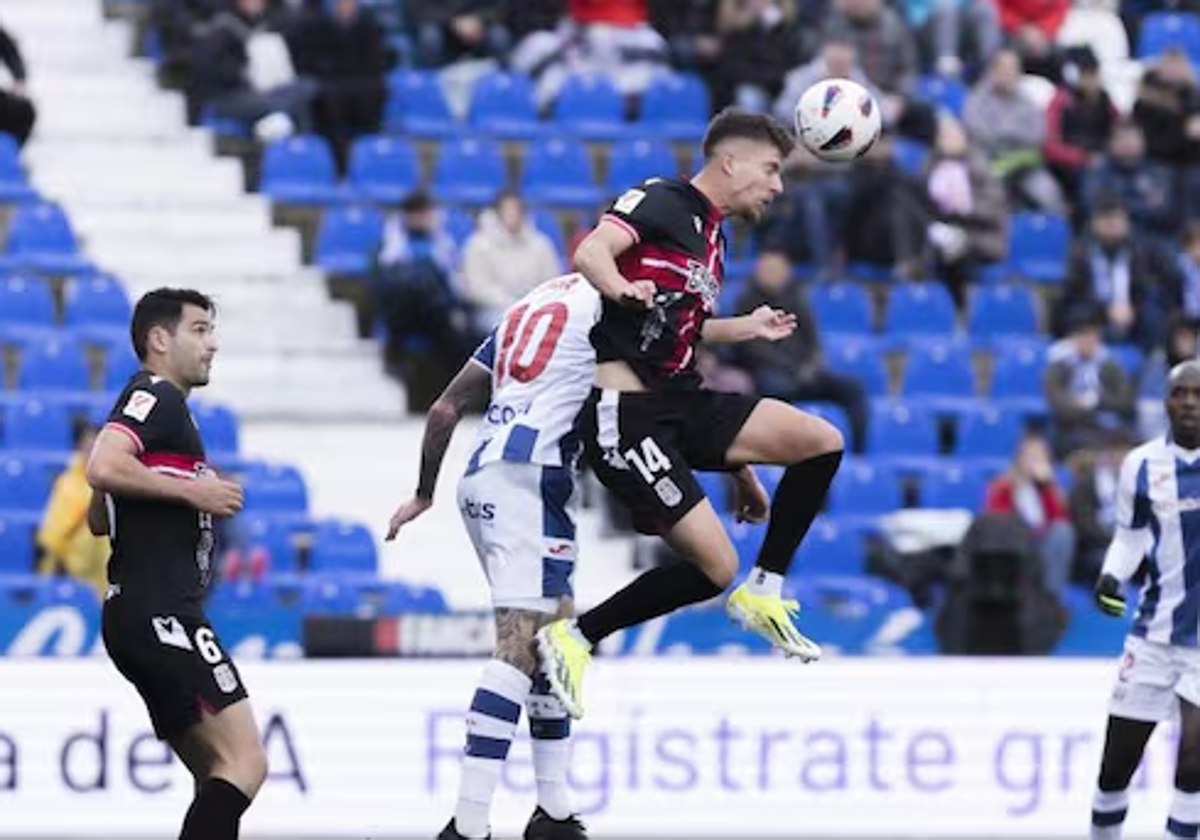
(1079, 121)
(1126, 275)
(1091, 400)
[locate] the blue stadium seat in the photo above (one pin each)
(24, 484)
(469, 170)
(1002, 310)
(588, 105)
(376, 598)
(240, 595)
(16, 542)
(920, 308)
(905, 429)
(856, 615)
(274, 535)
(1018, 372)
(119, 366)
(429, 600)
(1161, 31)
(746, 539)
(1129, 357)
(36, 424)
(348, 240)
(342, 547)
(384, 169)
(460, 224)
(274, 488)
(909, 155)
(831, 548)
(416, 106)
(841, 308)
(504, 106)
(675, 106)
(26, 301)
(947, 93)
(1038, 246)
(300, 170)
(939, 368)
(953, 484)
(56, 364)
(714, 484)
(859, 356)
(14, 183)
(40, 238)
(558, 171)
(329, 595)
(218, 427)
(864, 488)
(636, 159)
(97, 300)
(988, 431)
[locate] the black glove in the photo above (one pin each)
(1109, 597)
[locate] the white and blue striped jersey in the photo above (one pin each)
(1158, 520)
(542, 365)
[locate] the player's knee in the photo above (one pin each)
(722, 570)
(252, 769)
(827, 439)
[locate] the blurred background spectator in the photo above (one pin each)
(17, 114)
(66, 544)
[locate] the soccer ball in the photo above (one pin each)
(837, 120)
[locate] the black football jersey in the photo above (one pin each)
(162, 551)
(681, 247)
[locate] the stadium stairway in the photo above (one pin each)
(155, 207)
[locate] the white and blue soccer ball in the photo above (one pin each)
(838, 120)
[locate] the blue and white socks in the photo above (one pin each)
(1108, 814)
(550, 730)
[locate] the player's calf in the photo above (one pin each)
(236, 767)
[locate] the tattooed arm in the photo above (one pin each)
(468, 390)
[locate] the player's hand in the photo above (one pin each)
(406, 513)
(772, 324)
(215, 495)
(1109, 597)
(639, 294)
(750, 500)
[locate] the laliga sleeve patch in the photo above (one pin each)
(139, 405)
(628, 202)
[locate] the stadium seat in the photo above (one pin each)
(920, 308)
(273, 535)
(274, 488)
(417, 107)
(841, 308)
(300, 170)
(503, 105)
(1129, 357)
(348, 240)
(547, 222)
(24, 484)
(40, 238)
(36, 424)
(55, 364)
(342, 547)
(97, 300)
(380, 598)
(247, 596)
(120, 365)
(1038, 246)
(953, 485)
(428, 600)
(857, 615)
(1018, 372)
(16, 542)
(831, 548)
(864, 488)
(939, 368)
(384, 169)
(944, 92)
(460, 224)
(633, 161)
(558, 171)
(26, 301)
(14, 183)
(1002, 310)
(909, 155)
(716, 487)
(988, 431)
(858, 356)
(469, 170)
(902, 429)
(675, 106)
(218, 427)
(1161, 31)
(588, 105)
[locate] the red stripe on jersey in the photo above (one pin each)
(184, 463)
(134, 436)
(623, 225)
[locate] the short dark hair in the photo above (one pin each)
(737, 123)
(163, 308)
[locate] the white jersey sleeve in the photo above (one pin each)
(542, 365)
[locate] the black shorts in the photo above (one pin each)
(643, 445)
(175, 661)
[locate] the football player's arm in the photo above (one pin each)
(1131, 540)
(114, 468)
(596, 257)
(763, 323)
(468, 390)
(97, 514)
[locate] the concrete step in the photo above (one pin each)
(276, 251)
(128, 171)
(233, 220)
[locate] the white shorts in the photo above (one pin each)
(521, 520)
(1151, 676)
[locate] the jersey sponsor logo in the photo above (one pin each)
(171, 632)
(502, 415)
(139, 405)
(482, 511)
(702, 282)
(629, 201)
(225, 678)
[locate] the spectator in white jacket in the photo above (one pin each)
(504, 258)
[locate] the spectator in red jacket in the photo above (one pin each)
(1031, 26)
(1029, 491)
(1079, 121)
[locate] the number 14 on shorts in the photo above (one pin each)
(653, 465)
